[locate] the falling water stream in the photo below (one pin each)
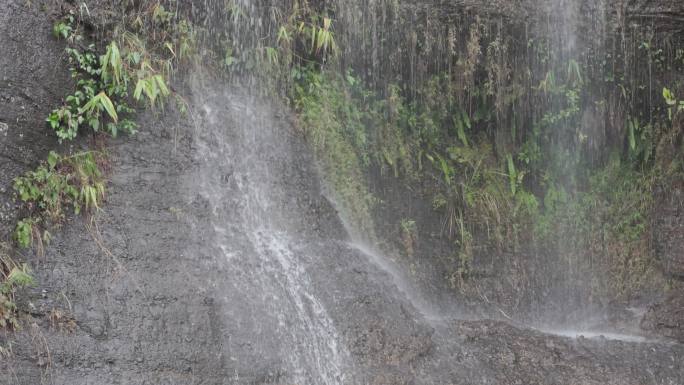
(237, 143)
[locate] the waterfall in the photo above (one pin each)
(238, 143)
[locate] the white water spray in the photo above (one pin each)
(237, 141)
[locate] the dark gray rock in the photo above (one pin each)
(669, 228)
(666, 318)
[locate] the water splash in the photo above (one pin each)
(576, 334)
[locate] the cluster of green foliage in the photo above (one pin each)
(103, 85)
(503, 177)
(311, 31)
(74, 182)
(294, 36)
(100, 90)
(335, 122)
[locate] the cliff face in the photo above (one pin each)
(503, 50)
(669, 229)
(178, 281)
(667, 318)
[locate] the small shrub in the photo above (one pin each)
(74, 182)
(24, 232)
(409, 235)
(103, 82)
(12, 278)
(64, 29)
(102, 89)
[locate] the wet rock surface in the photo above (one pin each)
(522, 356)
(669, 229)
(33, 78)
(667, 317)
(155, 301)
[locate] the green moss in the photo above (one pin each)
(334, 123)
(605, 228)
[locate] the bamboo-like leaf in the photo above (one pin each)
(446, 170)
(137, 94)
(111, 61)
(164, 91)
(632, 123)
(512, 175)
(669, 97)
(283, 35)
(460, 132)
(170, 48)
(466, 119)
(108, 106)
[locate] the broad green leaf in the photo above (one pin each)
(162, 85)
(137, 94)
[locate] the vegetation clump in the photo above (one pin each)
(509, 159)
(12, 278)
(74, 182)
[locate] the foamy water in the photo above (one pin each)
(596, 335)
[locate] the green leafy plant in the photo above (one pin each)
(674, 105)
(641, 140)
(103, 88)
(90, 100)
(12, 278)
(152, 86)
(462, 123)
(24, 232)
(112, 68)
(93, 110)
(312, 31)
(64, 29)
(73, 181)
(409, 235)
